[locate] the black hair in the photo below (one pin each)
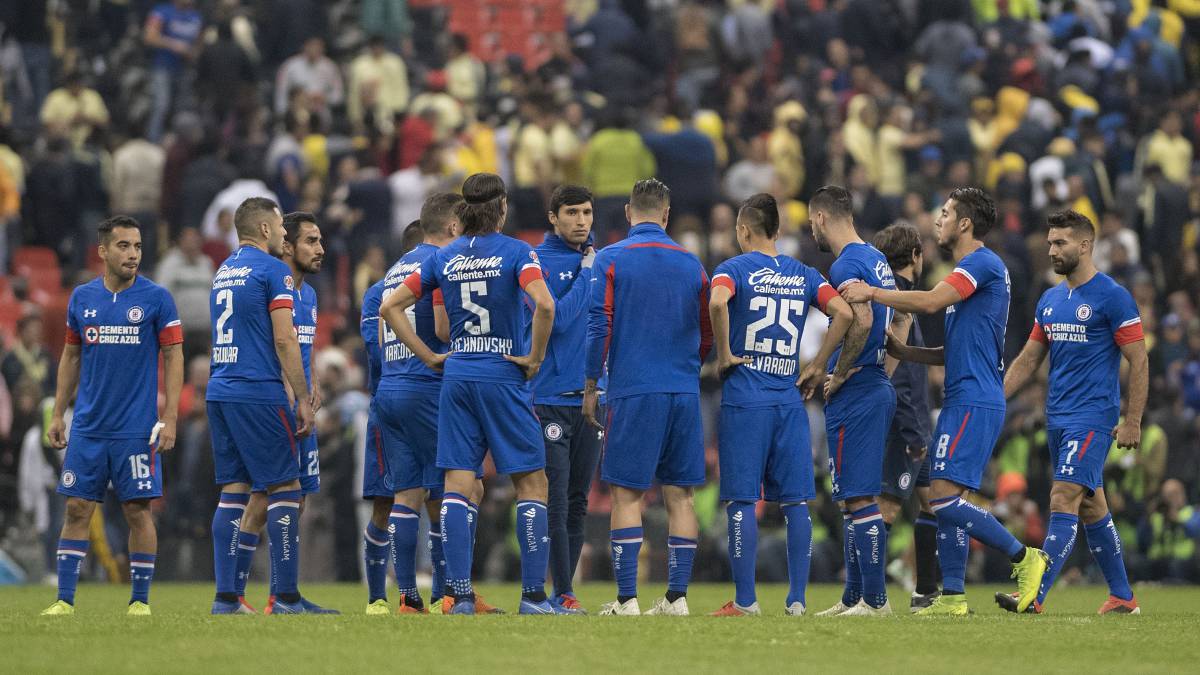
(899, 242)
(649, 195)
(1074, 221)
(762, 213)
(975, 205)
(832, 199)
(483, 204)
(569, 195)
(412, 236)
(292, 223)
(107, 226)
(437, 211)
(249, 213)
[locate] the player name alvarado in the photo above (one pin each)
(768, 280)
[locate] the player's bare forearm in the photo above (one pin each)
(899, 329)
(1023, 367)
(391, 311)
(841, 317)
(68, 379)
(923, 302)
(1139, 378)
(718, 315)
(591, 399)
(173, 376)
(929, 356)
(855, 340)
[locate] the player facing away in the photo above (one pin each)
(906, 460)
(975, 297)
(648, 321)
(303, 253)
(1086, 324)
(376, 486)
(758, 306)
(485, 403)
(254, 430)
(859, 403)
(572, 445)
(116, 327)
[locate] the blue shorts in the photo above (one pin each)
(310, 464)
(900, 472)
(1079, 455)
(480, 417)
(653, 436)
(375, 479)
(253, 443)
(963, 441)
(857, 422)
(408, 421)
(133, 467)
(765, 452)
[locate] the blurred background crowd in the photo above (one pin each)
(357, 110)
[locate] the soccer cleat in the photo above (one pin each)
(946, 605)
(223, 607)
(270, 606)
(138, 609)
(405, 608)
(62, 608)
(836, 610)
(663, 608)
(919, 601)
(1008, 602)
(482, 607)
(863, 609)
(618, 608)
(1029, 573)
(794, 609)
(379, 608)
(435, 606)
(465, 607)
(731, 608)
(567, 604)
(1115, 605)
(530, 607)
(243, 603)
(314, 608)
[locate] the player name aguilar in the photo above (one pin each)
(769, 281)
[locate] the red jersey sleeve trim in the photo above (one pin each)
(706, 331)
(529, 274)
(281, 301)
(1037, 334)
(962, 282)
(73, 338)
(413, 283)
(438, 298)
(1130, 331)
(171, 334)
(725, 281)
(825, 293)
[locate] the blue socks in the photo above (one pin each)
(437, 560)
(626, 545)
(870, 542)
(853, 590)
(1105, 545)
(247, 545)
(141, 573)
(743, 550)
(225, 527)
(799, 551)
(283, 528)
(952, 550)
(977, 523)
(533, 538)
(71, 553)
(404, 524)
(456, 542)
(1060, 540)
(681, 553)
(376, 545)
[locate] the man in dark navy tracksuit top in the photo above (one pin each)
(572, 445)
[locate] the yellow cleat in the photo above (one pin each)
(59, 608)
(435, 606)
(138, 609)
(379, 608)
(946, 605)
(1029, 573)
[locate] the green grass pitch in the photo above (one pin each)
(183, 637)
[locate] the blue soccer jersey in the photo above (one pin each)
(249, 285)
(119, 336)
(368, 328)
(1085, 328)
(769, 304)
(482, 279)
(974, 348)
(304, 317)
(401, 369)
(860, 262)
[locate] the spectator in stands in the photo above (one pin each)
(285, 164)
(137, 173)
(1167, 535)
(74, 111)
(410, 187)
(27, 358)
(533, 165)
(378, 87)
(225, 76)
(188, 274)
(751, 175)
(1170, 150)
(314, 76)
(51, 206)
(389, 18)
(449, 111)
(615, 159)
(173, 35)
(465, 74)
(687, 163)
(202, 180)
(249, 184)
(30, 27)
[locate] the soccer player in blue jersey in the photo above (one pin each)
(254, 429)
(377, 487)
(906, 461)
(1086, 324)
(303, 253)
(975, 297)
(116, 327)
(572, 445)
(758, 305)
(485, 403)
(859, 403)
(648, 322)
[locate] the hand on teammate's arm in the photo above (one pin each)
(924, 302)
(1128, 433)
(718, 314)
(902, 351)
(813, 375)
(391, 310)
(68, 381)
(543, 322)
(287, 348)
(173, 374)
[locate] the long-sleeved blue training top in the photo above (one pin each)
(648, 316)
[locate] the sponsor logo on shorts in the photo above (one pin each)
(68, 478)
(553, 431)
(905, 480)
(135, 314)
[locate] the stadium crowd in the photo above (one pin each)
(358, 110)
